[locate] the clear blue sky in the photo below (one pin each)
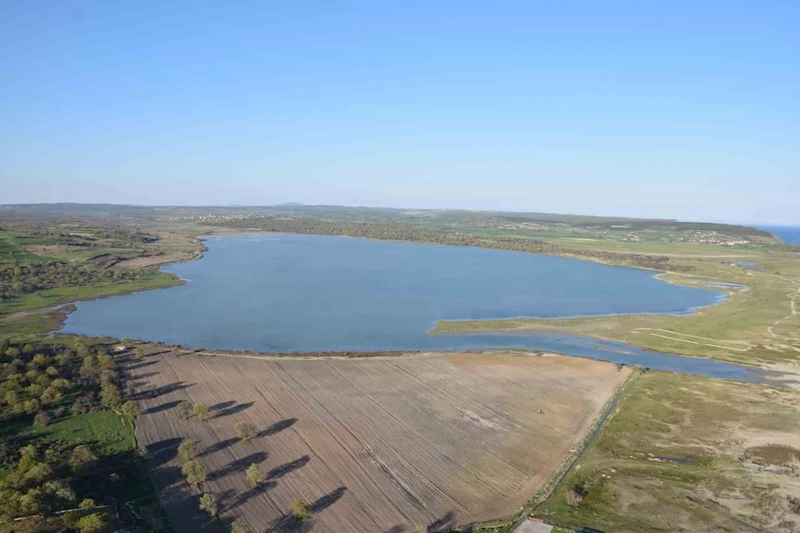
(644, 108)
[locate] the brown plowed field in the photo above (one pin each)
(373, 445)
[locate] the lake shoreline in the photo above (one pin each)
(272, 340)
(660, 275)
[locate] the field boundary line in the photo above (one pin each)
(558, 476)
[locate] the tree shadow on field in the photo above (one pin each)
(443, 524)
(184, 511)
(239, 464)
(245, 496)
(280, 471)
(167, 476)
(233, 409)
(218, 446)
(165, 389)
(289, 524)
(221, 405)
(161, 407)
(440, 525)
(327, 500)
(137, 366)
(162, 451)
(142, 377)
(277, 427)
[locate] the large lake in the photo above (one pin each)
(317, 293)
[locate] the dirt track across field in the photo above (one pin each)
(371, 445)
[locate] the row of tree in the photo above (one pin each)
(196, 474)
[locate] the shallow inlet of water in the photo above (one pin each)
(304, 293)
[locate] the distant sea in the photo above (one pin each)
(788, 234)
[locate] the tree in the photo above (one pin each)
(131, 410)
(110, 396)
(33, 524)
(86, 503)
(195, 473)
(60, 384)
(299, 509)
(104, 361)
(31, 502)
(29, 450)
(138, 352)
(81, 459)
(41, 418)
(201, 412)
(186, 409)
(26, 462)
(51, 396)
(245, 431)
(92, 523)
(186, 450)
(255, 475)
(82, 349)
(38, 473)
(60, 490)
(30, 406)
(82, 404)
(208, 503)
(240, 527)
(11, 398)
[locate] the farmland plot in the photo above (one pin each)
(382, 444)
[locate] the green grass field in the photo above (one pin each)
(32, 323)
(82, 254)
(60, 295)
(104, 428)
(11, 251)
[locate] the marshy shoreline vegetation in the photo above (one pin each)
(83, 252)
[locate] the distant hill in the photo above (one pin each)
(500, 222)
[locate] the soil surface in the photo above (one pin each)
(369, 444)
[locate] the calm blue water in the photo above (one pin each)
(315, 293)
(788, 234)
